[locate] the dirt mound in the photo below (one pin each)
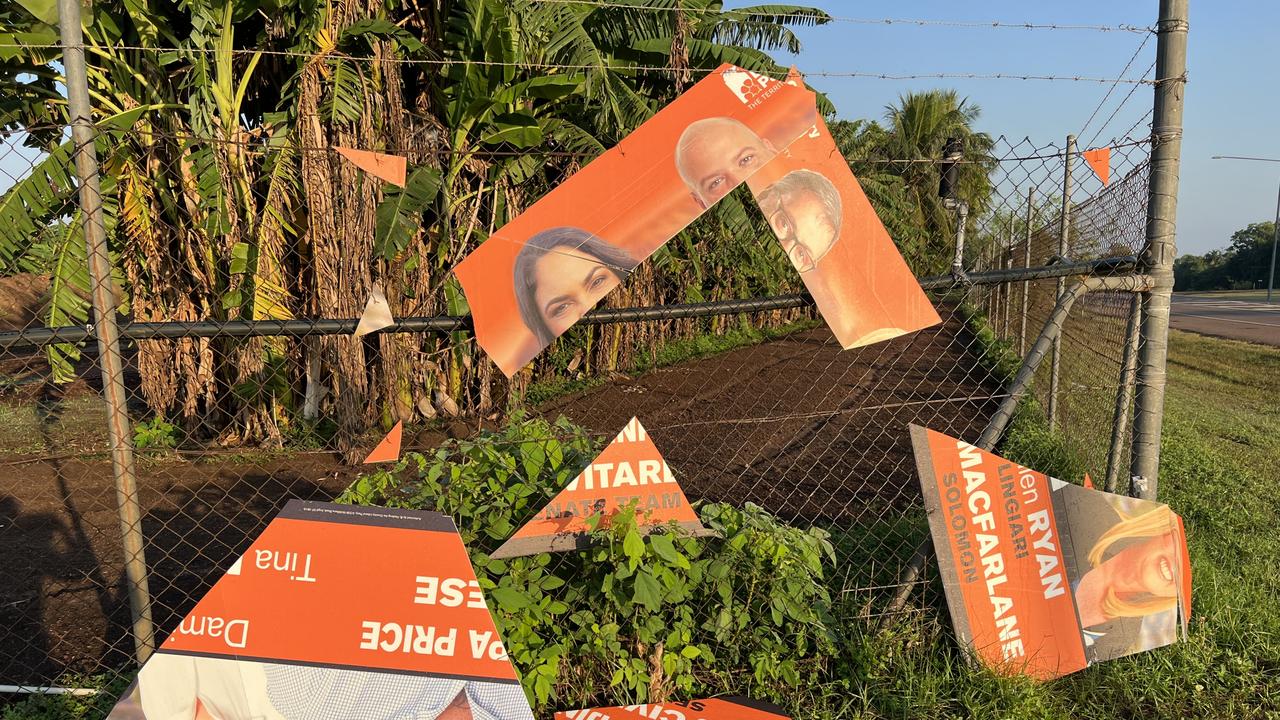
(799, 426)
(22, 299)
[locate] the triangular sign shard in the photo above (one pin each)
(389, 449)
(1100, 161)
(336, 612)
(629, 470)
(724, 708)
(376, 315)
(390, 168)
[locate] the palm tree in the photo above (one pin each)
(898, 165)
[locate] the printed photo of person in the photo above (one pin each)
(181, 687)
(1127, 577)
(805, 212)
(716, 154)
(560, 274)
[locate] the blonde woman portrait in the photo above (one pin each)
(1128, 588)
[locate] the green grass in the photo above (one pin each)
(61, 707)
(1246, 295)
(1218, 470)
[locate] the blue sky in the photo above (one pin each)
(1232, 102)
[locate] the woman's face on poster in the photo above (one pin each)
(568, 283)
(1148, 567)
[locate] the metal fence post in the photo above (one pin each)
(1064, 238)
(104, 309)
(1157, 257)
(1008, 289)
(1026, 264)
(1124, 394)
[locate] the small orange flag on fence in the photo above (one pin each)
(391, 168)
(1100, 160)
(389, 449)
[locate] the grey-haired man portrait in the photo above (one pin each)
(805, 211)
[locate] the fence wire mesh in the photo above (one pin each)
(232, 419)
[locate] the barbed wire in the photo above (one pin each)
(919, 22)
(1115, 112)
(265, 145)
(1113, 87)
(570, 66)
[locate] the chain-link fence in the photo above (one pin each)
(242, 259)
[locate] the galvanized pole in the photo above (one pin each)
(1026, 263)
(1009, 287)
(1275, 240)
(1124, 394)
(104, 309)
(1157, 257)
(1064, 238)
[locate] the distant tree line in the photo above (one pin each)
(1243, 265)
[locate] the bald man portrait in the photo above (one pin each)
(805, 211)
(714, 155)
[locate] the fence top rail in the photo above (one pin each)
(39, 337)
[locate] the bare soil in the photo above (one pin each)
(810, 432)
(21, 300)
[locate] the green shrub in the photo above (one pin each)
(155, 434)
(632, 618)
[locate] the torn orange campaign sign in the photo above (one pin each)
(629, 470)
(376, 315)
(536, 276)
(725, 708)
(390, 168)
(310, 623)
(1044, 577)
(1100, 161)
(834, 239)
(388, 450)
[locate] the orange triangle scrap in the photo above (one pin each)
(726, 708)
(630, 470)
(389, 449)
(390, 168)
(376, 315)
(1100, 161)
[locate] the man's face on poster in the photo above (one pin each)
(804, 211)
(715, 155)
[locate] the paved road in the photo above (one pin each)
(1239, 320)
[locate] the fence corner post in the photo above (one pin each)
(1157, 256)
(1064, 242)
(110, 360)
